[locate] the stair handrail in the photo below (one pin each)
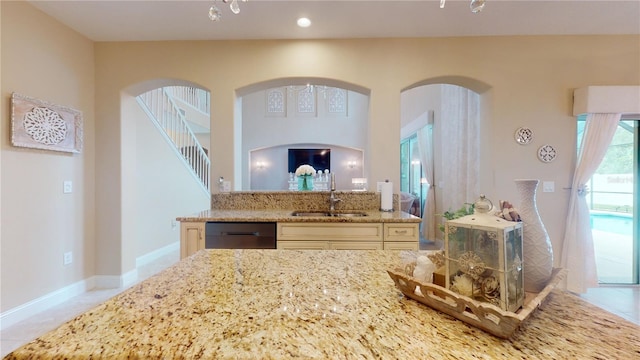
(192, 96)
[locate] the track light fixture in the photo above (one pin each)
(475, 5)
(216, 15)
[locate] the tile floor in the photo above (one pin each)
(622, 301)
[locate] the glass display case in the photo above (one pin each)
(483, 258)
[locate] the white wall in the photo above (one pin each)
(267, 137)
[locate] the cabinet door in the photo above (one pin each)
(399, 245)
(303, 245)
(355, 245)
(191, 238)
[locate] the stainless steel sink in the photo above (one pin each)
(350, 214)
(327, 214)
(311, 213)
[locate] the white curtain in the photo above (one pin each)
(460, 149)
(577, 246)
(425, 148)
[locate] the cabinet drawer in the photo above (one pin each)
(330, 231)
(401, 232)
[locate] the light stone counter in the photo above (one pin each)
(277, 206)
(279, 304)
(375, 216)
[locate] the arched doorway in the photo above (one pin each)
(444, 143)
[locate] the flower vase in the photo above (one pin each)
(305, 183)
(537, 250)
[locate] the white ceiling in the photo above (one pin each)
(118, 20)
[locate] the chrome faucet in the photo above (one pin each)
(332, 197)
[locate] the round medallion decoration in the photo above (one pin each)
(45, 126)
(547, 153)
(523, 135)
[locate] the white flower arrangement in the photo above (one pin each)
(305, 170)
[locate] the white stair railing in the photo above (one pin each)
(167, 116)
(197, 98)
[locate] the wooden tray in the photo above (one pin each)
(485, 316)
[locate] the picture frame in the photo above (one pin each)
(38, 124)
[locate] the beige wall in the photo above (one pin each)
(530, 83)
(165, 188)
(48, 61)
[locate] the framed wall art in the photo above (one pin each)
(41, 125)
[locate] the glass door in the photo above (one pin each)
(411, 180)
(613, 202)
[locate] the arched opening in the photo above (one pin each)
(156, 185)
(277, 115)
(444, 147)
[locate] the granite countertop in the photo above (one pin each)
(272, 215)
(278, 206)
(329, 304)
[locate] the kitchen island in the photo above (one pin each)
(330, 304)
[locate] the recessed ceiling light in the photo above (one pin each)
(304, 22)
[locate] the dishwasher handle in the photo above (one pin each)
(240, 233)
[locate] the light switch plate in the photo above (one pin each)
(67, 187)
(67, 258)
(548, 186)
(226, 186)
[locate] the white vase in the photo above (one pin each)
(537, 250)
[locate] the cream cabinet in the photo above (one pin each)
(401, 236)
(323, 236)
(191, 238)
(348, 236)
(320, 236)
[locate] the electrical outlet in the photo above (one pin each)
(548, 186)
(67, 258)
(67, 187)
(174, 224)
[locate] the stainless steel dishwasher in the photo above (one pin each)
(240, 235)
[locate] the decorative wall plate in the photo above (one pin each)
(547, 153)
(523, 135)
(41, 125)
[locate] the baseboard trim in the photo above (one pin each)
(116, 281)
(156, 254)
(28, 309)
